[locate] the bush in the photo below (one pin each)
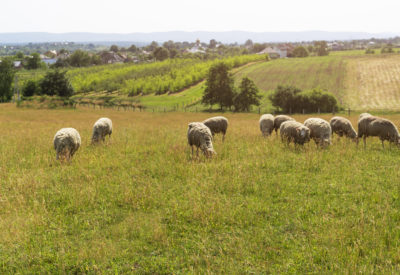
(300, 51)
(369, 51)
(31, 88)
(56, 83)
(290, 99)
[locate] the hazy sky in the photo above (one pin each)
(124, 16)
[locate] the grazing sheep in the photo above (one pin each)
(217, 124)
(101, 128)
(294, 131)
(342, 126)
(279, 119)
(200, 136)
(320, 131)
(66, 142)
(364, 115)
(378, 127)
(266, 124)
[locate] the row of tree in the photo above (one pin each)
(220, 90)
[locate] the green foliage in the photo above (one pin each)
(171, 75)
(31, 87)
(79, 59)
(114, 48)
(369, 51)
(33, 62)
(290, 99)
(247, 96)
(387, 49)
(56, 83)
(19, 55)
(132, 48)
(161, 53)
(219, 86)
(300, 51)
(7, 73)
(321, 48)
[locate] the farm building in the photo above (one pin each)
(111, 58)
(274, 52)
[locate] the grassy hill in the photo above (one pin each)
(141, 204)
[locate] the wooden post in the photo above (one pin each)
(290, 110)
(303, 111)
(349, 111)
(319, 111)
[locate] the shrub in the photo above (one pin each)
(56, 83)
(300, 51)
(291, 99)
(369, 51)
(31, 88)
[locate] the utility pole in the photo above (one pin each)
(16, 96)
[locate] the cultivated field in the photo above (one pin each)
(373, 83)
(140, 203)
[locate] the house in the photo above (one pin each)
(17, 64)
(274, 52)
(195, 49)
(111, 58)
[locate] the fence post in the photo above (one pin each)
(349, 111)
(164, 109)
(303, 112)
(290, 110)
(319, 111)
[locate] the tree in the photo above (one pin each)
(247, 96)
(300, 51)
(79, 59)
(33, 62)
(173, 53)
(56, 83)
(219, 86)
(321, 48)
(132, 48)
(248, 43)
(161, 53)
(19, 55)
(30, 88)
(213, 44)
(284, 97)
(7, 73)
(152, 46)
(114, 48)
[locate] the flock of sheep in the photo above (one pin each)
(200, 134)
(67, 140)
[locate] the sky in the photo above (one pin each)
(128, 16)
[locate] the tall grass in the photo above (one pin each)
(141, 204)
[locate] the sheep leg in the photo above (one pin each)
(383, 146)
(223, 137)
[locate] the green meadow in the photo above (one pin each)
(140, 203)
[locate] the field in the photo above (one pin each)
(141, 204)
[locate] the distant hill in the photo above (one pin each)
(225, 37)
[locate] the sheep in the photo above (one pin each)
(363, 115)
(294, 131)
(101, 128)
(217, 124)
(199, 135)
(320, 131)
(279, 119)
(66, 142)
(266, 124)
(378, 127)
(342, 126)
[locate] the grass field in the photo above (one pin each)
(140, 204)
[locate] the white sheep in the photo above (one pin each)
(199, 135)
(320, 131)
(66, 142)
(279, 119)
(378, 127)
(266, 124)
(217, 124)
(294, 131)
(364, 115)
(342, 126)
(101, 128)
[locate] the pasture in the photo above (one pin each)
(141, 204)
